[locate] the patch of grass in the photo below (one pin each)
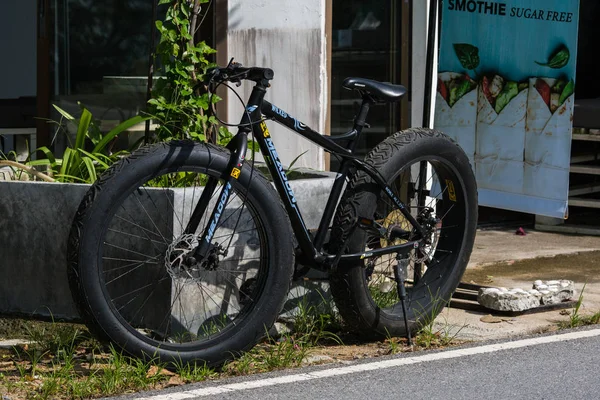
(194, 373)
(314, 324)
(394, 344)
(286, 352)
(435, 333)
(576, 319)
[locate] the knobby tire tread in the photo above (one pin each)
(360, 186)
(79, 295)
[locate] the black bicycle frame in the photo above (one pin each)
(311, 248)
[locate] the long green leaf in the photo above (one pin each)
(49, 154)
(64, 113)
(63, 178)
(91, 170)
(295, 160)
(65, 167)
(94, 158)
(123, 126)
(82, 129)
(44, 161)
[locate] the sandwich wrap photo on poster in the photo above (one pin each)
(501, 111)
(456, 109)
(549, 119)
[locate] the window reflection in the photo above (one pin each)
(100, 56)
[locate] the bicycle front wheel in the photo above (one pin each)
(431, 175)
(130, 270)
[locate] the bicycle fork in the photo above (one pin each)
(238, 146)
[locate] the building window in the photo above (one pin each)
(101, 55)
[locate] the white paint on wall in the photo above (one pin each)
(18, 44)
(289, 37)
(275, 14)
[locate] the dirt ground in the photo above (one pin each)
(583, 267)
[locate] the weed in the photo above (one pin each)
(576, 319)
(29, 355)
(286, 352)
(50, 387)
(393, 343)
(82, 388)
(56, 337)
(430, 333)
(242, 365)
(194, 373)
(316, 323)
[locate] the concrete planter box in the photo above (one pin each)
(35, 219)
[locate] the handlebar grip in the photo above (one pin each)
(258, 74)
(235, 73)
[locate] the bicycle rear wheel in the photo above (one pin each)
(130, 273)
(432, 176)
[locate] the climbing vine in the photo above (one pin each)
(179, 104)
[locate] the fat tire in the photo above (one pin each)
(84, 274)
(348, 282)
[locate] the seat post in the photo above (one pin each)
(361, 119)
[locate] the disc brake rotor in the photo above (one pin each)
(177, 254)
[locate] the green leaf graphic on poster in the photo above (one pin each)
(567, 92)
(559, 59)
(467, 54)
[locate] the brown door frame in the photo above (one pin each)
(221, 22)
(44, 81)
(328, 50)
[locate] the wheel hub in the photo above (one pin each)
(180, 261)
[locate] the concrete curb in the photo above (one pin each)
(35, 219)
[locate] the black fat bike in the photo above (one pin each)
(184, 252)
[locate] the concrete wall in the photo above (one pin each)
(289, 37)
(35, 219)
(18, 44)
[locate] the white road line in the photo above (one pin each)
(207, 391)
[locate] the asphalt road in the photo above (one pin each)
(563, 365)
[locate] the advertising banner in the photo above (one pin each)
(505, 93)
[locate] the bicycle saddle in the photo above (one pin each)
(379, 91)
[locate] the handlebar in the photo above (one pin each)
(235, 72)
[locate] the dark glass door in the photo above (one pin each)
(367, 43)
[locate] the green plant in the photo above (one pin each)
(576, 319)
(273, 354)
(177, 104)
(291, 170)
(57, 338)
(434, 333)
(393, 343)
(286, 353)
(194, 373)
(32, 355)
(315, 323)
(80, 163)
